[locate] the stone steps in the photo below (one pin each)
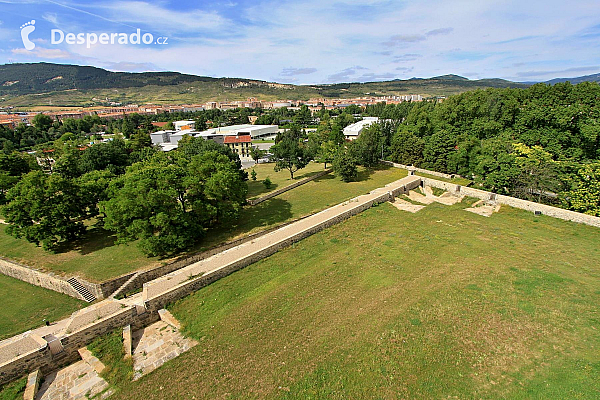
(123, 288)
(82, 290)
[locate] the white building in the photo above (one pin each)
(168, 140)
(255, 131)
(161, 137)
(184, 125)
(351, 132)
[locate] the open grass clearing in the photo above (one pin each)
(279, 179)
(25, 306)
(438, 304)
(96, 257)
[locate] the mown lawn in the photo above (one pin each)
(438, 304)
(25, 306)
(97, 257)
(279, 179)
(307, 199)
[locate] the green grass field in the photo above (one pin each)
(98, 258)
(307, 199)
(25, 306)
(279, 179)
(438, 304)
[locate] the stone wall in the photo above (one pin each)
(156, 272)
(163, 291)
(44, 360)
(41, 279)
(514, 202)
(289, 187)
(103, 318)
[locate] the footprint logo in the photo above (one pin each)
(26, 29)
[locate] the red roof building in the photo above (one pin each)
(241, 145)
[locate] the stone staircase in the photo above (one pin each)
(124, 287)
(82, 290)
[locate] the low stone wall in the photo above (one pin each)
(289, 187)
(107, 288)
(555, 212)
(162, 291)
(156, 272)
(421, 170)
(43, 359)
(41, 279)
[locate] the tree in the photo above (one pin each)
(366, 150)
(407, 148)
(327, 152)
(257, 154)
(537, 168)
(112, 155)
(304, 116)
(253, 175)
(290, 154)
(140, 140)
(168, 202)
(437, 151)
(69, 163)
(127, 127)
(190, 146)
(344, 165)
(44, 209)
(42, 122)
(93, 189)
(585, 195)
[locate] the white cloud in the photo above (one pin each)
(163, 19)
(43, 53)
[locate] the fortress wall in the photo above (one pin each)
(38, 278)
(544, 209)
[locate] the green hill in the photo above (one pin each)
(44, 84)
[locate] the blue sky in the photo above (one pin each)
(319, 41)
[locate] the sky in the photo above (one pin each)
(314, 41)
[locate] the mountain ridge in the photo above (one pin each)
(31, 84)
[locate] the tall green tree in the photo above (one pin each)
(290, 153)
(45, 209)
(344, 165)
(168, 202)
(407, 148)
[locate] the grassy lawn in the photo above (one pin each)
(438, 304)
(263, 141)
(25, 306)
(95, 258)
(279, 179)
(309, 198)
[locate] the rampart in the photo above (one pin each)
(42, 279)
(39, 350)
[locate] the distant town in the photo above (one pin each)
(11, 118)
